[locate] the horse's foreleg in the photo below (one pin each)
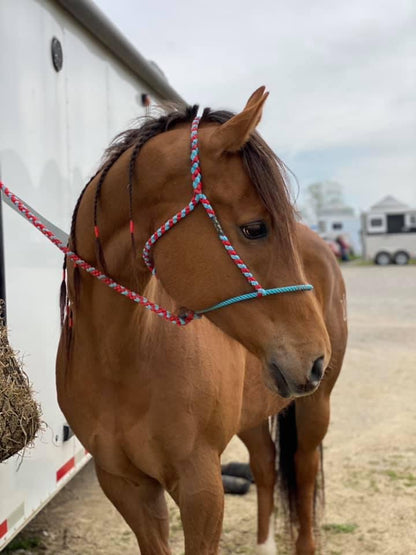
(312, 419)
(199, 493)
(262, 462)
(143, 507)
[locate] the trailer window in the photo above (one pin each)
(410, 222)
(376, 222)
(337, 225)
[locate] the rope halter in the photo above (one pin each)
(198, 197)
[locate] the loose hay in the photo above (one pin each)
(19, 412)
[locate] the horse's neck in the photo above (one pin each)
(199, 332)
(155, 292)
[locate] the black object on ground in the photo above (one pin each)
(236, 486)
(240, 470)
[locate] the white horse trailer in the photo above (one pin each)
(389, 232)
(70, 82)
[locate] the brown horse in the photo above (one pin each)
(156, 404)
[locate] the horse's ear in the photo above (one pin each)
(256, 96)
(232, 135)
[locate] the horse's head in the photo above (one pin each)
(245, 185)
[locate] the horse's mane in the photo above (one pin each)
(267, 172)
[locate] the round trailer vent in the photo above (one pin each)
(57, 56)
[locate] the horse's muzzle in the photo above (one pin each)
(287, 387)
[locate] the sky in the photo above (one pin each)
(341, 76)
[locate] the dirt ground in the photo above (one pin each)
(370, 450)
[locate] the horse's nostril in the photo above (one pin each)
(317, 371)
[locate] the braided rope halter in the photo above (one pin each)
(198, 197)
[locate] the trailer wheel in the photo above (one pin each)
(401, 258)
(382, 258)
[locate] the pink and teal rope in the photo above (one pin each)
(133, 296)
(198, 197)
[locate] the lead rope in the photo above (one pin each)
(132, 295)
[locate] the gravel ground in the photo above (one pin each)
(370, 450)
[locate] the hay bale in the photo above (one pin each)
(19, 412)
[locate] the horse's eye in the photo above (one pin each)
(254, 230)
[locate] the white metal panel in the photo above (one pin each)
(103, 98)
(391, 243)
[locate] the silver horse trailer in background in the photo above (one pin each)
(389, 232)
(70, 82)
